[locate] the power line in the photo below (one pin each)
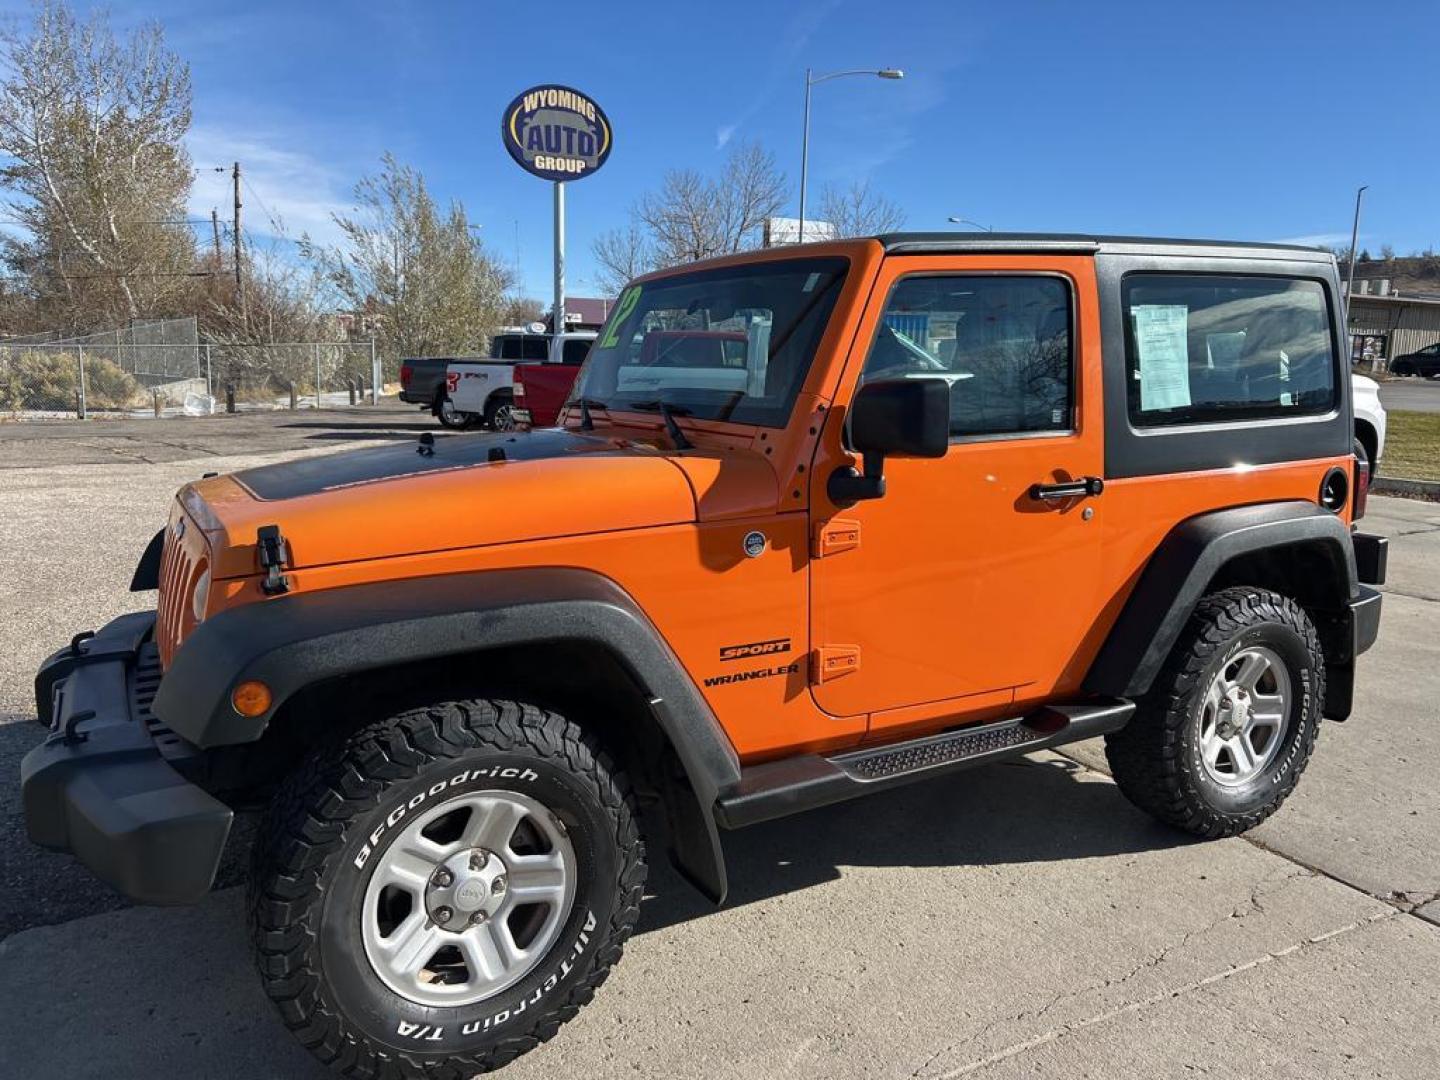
(125, 221)
(274, 221)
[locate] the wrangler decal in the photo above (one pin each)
(746, 676)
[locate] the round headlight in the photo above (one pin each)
(201, 596)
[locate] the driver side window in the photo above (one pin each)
(1002, 343)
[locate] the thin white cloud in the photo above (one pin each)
(286, 190)
(1318, 239)
(795, 36)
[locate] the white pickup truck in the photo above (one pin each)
(483, 390)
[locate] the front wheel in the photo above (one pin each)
(443, 889)
(1222, 737)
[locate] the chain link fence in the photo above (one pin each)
(293, 374)
(161, 368)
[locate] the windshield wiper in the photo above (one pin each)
(668, 413)
(586, 404)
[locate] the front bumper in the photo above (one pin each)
(106, 785)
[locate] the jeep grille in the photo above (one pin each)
(180, 565)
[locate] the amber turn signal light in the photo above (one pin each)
(250, 698)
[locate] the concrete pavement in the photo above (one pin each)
(1019, 920)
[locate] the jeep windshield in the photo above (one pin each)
(728, 344)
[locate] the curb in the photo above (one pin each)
(1415, 489)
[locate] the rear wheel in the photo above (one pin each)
(500, 413)
(449, 416)
(439, 892)
(1222, 737)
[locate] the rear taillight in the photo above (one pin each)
(405, 372)
(519, 389)
(1362, 485)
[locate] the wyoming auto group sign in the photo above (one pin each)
(556, 133)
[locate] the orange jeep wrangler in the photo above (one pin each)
(946, 501)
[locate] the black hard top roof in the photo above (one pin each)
(900, 243)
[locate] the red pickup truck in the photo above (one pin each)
(541, 390)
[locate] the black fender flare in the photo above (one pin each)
(147, 570)
(290, 642)
(1184, 565)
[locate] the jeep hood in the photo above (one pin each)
(459, 491)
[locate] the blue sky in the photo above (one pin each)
(1235, 120)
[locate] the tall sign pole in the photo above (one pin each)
(559, 134)
(559, 307)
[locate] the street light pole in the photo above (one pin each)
(882, 73)
(1354, 239)
(805, 154)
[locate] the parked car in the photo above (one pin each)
(975, 496)
(1424, 362)
(483, 391)
(1369, 419)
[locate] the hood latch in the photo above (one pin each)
(274, 554)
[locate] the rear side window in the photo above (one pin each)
(1001, 343)
(1210, 348)
(574, 350)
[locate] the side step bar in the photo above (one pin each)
(789, 786)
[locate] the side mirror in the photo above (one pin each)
(891, 418)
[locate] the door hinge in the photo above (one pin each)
(835, 536)
(832, 661)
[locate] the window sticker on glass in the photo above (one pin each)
(1160, 342)
(810, 283)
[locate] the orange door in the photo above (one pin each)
(967, 592)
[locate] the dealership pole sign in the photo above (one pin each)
(557, 134)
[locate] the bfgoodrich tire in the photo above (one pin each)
(437, 893)
(1222, 737)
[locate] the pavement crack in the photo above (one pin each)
(1253, 905)
(1392, 591)
(1064, 1030)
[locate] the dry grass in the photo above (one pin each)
(1412, 446)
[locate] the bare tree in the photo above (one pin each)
(620, 255)
(422, 272)
(93, 128)
(697, 217)
(751, 189)
(522, 310)
(859, 211)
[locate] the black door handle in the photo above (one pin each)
(1071, 489)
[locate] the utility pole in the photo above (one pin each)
(215, 225)
(239, 278)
